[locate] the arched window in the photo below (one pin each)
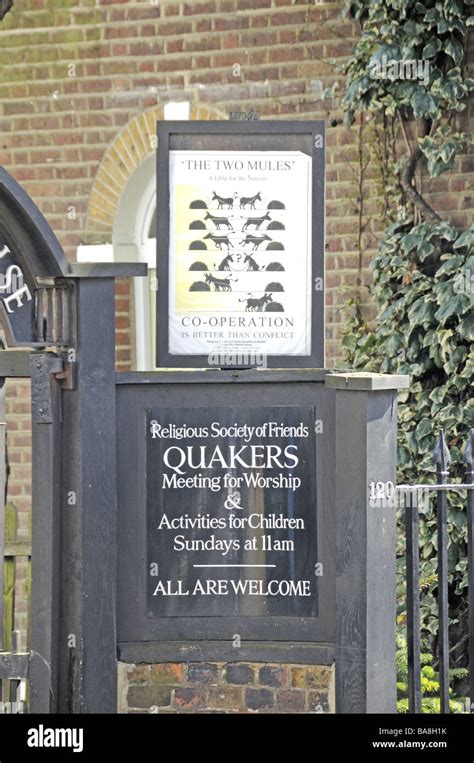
(132, 221)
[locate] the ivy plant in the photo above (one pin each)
(423, 272)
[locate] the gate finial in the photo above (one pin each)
(441, 455)
(468, 454)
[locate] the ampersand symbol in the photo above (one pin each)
(233, 501)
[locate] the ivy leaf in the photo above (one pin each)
(452, 264)
(454, 306)
(425, 427)
(423, 104)
(431, 15)
(424, 250)
(410, 28)
(421, 311)
(431, 48)
(444, 338)
(438, 394)
(460, 25)
(455, 359)
(393, 344)
(455, 49)
(465, 239)
(410, 242)
(466, 328)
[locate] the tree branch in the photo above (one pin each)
(407, 180)
(405, 134)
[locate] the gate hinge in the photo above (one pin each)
(68, 375)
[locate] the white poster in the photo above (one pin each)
(240, 253)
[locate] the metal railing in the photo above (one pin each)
(52, 314)
(442, 488)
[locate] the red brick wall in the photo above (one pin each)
(130, 56)
(218, 687)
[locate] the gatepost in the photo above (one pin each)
(365, 444)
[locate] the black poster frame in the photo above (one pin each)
(265, 135)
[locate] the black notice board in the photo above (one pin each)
(231, 526)
(240, 244)
(197, 399)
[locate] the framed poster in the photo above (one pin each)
(240, 239)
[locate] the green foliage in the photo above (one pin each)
(405, 30)
(430, 703)
(425, 328)
(423, 273)
(441, 148)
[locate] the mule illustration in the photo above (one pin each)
(251, 263)
(230, 259)
(224, 202)
(219, 241)
(256, 222)
(220, 284)
(255, 240)
(249, 201)
(256, 305)
(219, 221)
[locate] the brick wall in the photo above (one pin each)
(74, 75)
(19, 443)
(225, 688)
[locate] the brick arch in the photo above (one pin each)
(129, 148)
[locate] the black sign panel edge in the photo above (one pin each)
(314, 130)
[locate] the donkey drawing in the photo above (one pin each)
(219, 221)
(222, 202)
(255, 240)
(249, 201)
(219, 241)
(249, 262)
(220, 284)
(255, 305)
(256, 222)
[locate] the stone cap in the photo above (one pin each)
(367, 382)
(107, 269)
